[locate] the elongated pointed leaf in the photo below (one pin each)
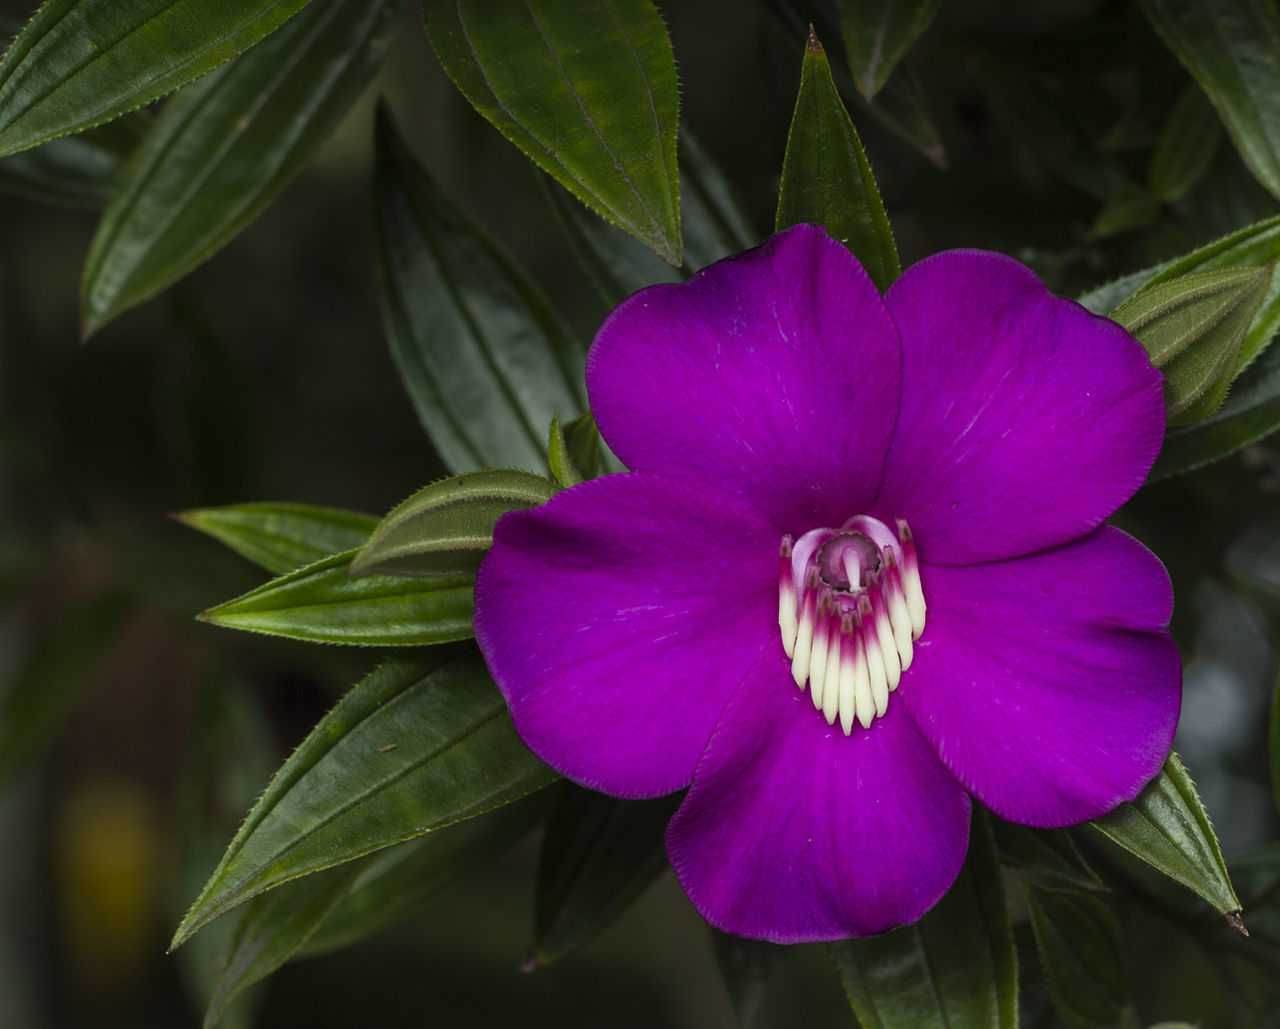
(878, 34)
(81, 62)
(340, 905)
(1046, 856)
(1194, 328)
(826, 178)
(1078, 939)
(395, 884)
(322, 603)
(224, 147)
(421, 743)
(282, 537)
(1186, 148)
(900, 106)
(955, 967)
(715, 226)
(485, 360)
(47, 682)
(273, 927)
(1232, 47)
(1169, 829)
(587, 90)
(598, 856)
(444, 530)
(1253, 246)
(80, 170)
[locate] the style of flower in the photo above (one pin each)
(856, 575)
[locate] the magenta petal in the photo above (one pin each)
(794, 832)
(1048, 684)
(772, 376)
(618, 617)
(1026, 420)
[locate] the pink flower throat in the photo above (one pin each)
(850, 606)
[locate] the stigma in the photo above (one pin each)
(850, 608)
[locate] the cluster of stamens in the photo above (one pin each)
(850, 606)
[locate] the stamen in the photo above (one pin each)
(804, 632)
(884, 634)
(821, 638)
(896, 601)
(911, 579)
(787, 614)
(851, 660)
(835, 647)
(875, 659)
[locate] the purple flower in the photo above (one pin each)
(857, 575)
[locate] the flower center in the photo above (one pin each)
(850, 605)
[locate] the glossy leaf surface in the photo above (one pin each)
(599, 854)
(1169, 829)
(714, 222)
(588, 92)
(955, 967)
(444, 530)
(1232, 47)
(485, 360)
(78, 63)
(421, 743)
(83, 170)
(322, 603)
(1081, 951)
(1193, 327)
(878, 33)
(282, 537)
(224, 147)
(826, 178)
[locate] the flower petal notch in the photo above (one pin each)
(856, 579)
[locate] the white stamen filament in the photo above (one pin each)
(850, 642)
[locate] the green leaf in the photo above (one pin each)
(826, 178)
(585, 448)
(52, 676)
(225, 146)
(1080, 948)
(421, 743)
(1186, 148)
(715, 226)
(272, 928)
(1046, 856)
(878, 34)
(397, 883)
(1251, 411)
(322, 603)
(957, 966)
(1194, 327)
(1169, 829)
(1232, 47)
(282, 537)
(587, 90)
(444, 530)
(745, 967)
(84, 170)
(485, 360)
(1128, 209)
(563, 470)
(598, 856)
(78, 63)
